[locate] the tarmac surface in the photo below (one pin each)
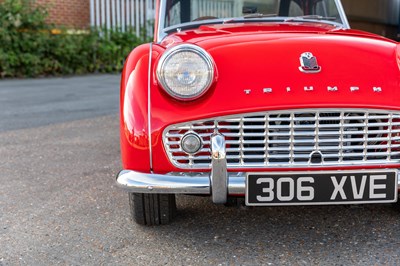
(59, 204)
(31, 103)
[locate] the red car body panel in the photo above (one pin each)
(251, 57)
(133, 109)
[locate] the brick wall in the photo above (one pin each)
(69, 13)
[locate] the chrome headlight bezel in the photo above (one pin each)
(166, 57)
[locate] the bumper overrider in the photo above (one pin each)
(218, 183)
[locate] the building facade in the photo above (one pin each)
(70, 13)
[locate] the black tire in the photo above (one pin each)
(152, 209)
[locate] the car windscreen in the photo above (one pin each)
(177, 12)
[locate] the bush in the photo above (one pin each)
(30, 47)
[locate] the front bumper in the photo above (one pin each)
(182, 183)
(178, 183)
(218, 183)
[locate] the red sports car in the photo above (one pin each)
(277, 102)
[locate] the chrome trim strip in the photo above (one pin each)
(310, 71)
(182, 183)
(149, 107)
(161, 10)
(219, 174)
(161, 21)
(342, 14)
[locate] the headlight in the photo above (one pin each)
(185, 71)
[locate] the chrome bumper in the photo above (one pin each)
(218, 183)
(178, 183)
(182, 183)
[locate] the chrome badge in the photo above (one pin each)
(309, 63)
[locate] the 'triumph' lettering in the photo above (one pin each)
(312, 88)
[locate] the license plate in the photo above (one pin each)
(316, 188)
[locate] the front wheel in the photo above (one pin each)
(152, 209)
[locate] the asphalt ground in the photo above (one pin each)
(59, 206)
(31, 103)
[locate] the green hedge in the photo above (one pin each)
(29, 47)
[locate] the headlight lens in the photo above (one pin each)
(186, 71)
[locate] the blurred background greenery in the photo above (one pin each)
(32, 47)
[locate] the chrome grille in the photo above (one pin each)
(297, 138)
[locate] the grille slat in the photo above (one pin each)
(297, 138)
